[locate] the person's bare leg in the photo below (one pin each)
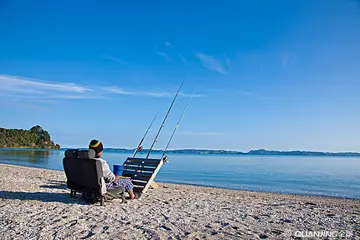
(131, 193)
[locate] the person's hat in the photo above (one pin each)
(96, 145)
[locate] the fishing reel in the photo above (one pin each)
(165, 159)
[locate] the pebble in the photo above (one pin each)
(263, 236)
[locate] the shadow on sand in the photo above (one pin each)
(42, 196)
(61, 186)
(55, 184)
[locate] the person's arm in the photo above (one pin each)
(108, 175)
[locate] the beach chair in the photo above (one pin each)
(142, 171)
(84, 174)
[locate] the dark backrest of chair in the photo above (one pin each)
(82, 170)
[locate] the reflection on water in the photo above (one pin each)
(31, 157)
(331, 176)
(41, 156)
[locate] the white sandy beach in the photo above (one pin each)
(35, 204)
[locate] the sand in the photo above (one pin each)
(35, 204)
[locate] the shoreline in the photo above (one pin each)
(258, 191)
(35, 203)
(201, 185)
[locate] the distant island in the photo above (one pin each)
(36, 137)
(259, 152)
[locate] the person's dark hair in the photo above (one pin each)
(97, 146)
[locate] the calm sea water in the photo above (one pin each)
(330, 176)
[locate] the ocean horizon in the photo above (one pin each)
(195, 151)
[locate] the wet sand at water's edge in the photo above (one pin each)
(35, 204)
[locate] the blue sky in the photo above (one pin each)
(277, 75)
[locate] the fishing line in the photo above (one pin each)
(163, 123)
(177, 125)
(139, 147)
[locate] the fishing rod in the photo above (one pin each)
(163, 123)
(178, 123)
(142, 140)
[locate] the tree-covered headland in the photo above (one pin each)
(36, 137)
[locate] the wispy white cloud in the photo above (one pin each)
(15, 87)
(165, 56)
(20, 87)
(169, 53)
(116, 90)
(189, 95)
(212, 63)
(71, 96)
(154, 94)
(163, 51)
(21, 84)
(116, 60)
(183, 59)
(120, 91)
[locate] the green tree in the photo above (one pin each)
(36, 137)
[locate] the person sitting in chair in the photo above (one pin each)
(111, 180)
